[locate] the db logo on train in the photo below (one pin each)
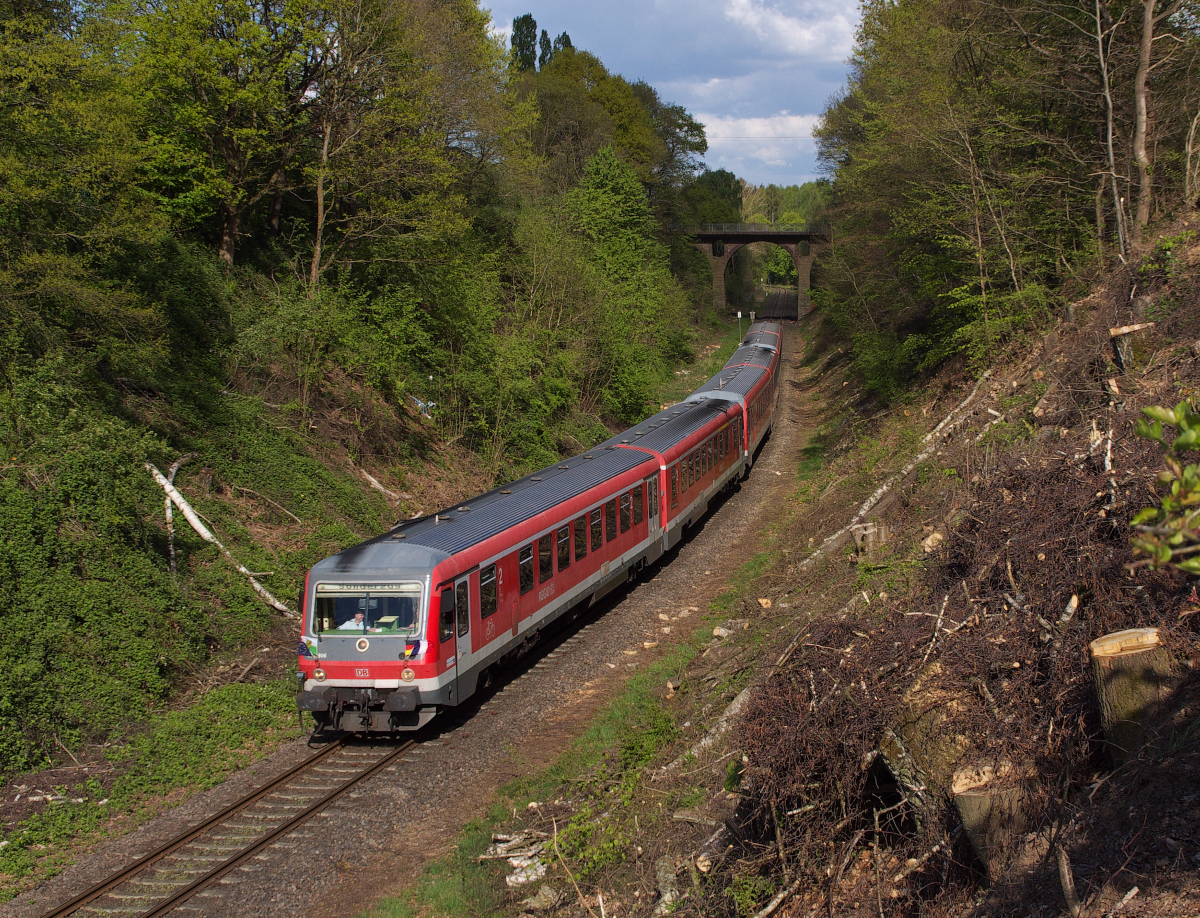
(360, 673)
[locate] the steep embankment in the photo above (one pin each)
(911, 722)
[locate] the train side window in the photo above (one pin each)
(696, 464)
(545, 557)
(526, 565)
(674, 487)
(446, 622)
(683, 464)
(610, 520)
(564, 548)
(463, 604)
(638, 508)
(652, 493)
(597, 534)
(581, 538)
(488, 598)
(625, 512)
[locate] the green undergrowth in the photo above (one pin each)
(178, 751)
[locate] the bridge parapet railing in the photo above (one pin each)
(760, 228)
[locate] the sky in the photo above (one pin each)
(756, 73)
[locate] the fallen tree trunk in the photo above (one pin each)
(201, 530)
(1133, 673)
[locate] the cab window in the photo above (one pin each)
(545, 557)
(526, 565)
(446, 622)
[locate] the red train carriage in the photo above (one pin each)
(406, 623)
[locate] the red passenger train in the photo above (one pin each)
(405, 624)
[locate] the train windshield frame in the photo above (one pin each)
(388, 609)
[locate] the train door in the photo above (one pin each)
(653, 517)
(462, 630)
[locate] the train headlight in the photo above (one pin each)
(319, 675)
(407, 675)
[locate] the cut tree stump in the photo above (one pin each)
(1133, 673)
(993, 805)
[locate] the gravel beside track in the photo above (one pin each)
(379, 836)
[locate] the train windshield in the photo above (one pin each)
(391, 609)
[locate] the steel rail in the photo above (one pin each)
(253, 848)
(179, 841)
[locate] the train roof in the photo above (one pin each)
(764, 334)
(670, 427)
(470, 523)
(733, 383)
(752, 354)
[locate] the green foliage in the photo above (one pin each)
(749, 891)
(1169, 534)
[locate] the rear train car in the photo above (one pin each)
(408, 623)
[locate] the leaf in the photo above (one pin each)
(1160, 414)
(1146, 516)
(1191, 565)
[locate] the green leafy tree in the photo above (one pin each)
(226, 87)
(524, 42)
(1169, 534)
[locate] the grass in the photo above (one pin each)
(687, 379)
(190, 750)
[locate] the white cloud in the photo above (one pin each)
(748, 144)
(827, 33)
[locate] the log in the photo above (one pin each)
(1133, 673)
(992, 803)
(918, 749)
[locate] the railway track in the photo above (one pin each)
(173, 873)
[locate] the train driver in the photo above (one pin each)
(353, 624)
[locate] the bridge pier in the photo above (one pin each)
(719, 242)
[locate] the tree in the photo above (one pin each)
(524, 42)
(226, 88)
(547, 50)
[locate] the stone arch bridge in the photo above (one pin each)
(719, 241)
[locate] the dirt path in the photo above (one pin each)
(375, 841)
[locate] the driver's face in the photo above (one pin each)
(358, 616)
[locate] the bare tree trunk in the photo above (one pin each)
(276, 212)
(171, 516)
(1191, 188)
(229, 234)
(1118, 204)
(1141, 94)
(1141, 104)
(314, 270)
